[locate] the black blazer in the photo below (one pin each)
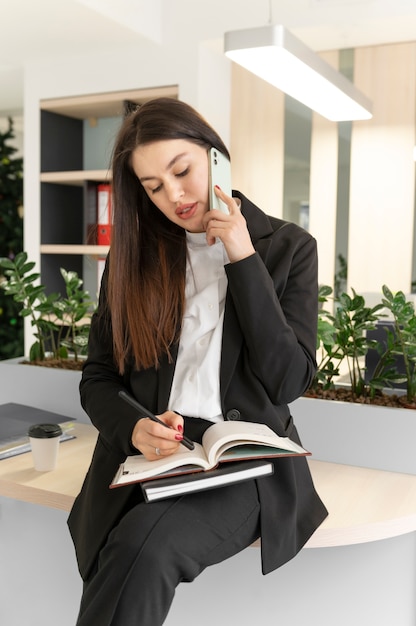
(267, 361)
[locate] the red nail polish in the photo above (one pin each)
(218, 187)
(178, 437)
(180, 428)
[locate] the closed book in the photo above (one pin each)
(229, 474)
(15, 421)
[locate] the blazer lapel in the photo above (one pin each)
(232, 339)
(165, 378)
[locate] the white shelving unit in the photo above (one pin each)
(77, 136)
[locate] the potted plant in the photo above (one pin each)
(11, 237)
(365, 421)
(61, 327)
(344, 338)
(61, 323)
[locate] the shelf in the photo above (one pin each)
(76, 177)
(99, 251)
(105, 104)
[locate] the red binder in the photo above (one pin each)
(104, 218)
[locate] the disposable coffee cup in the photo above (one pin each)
(44, 441)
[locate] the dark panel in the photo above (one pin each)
(372, 356)
(61, 214)
(61, 143)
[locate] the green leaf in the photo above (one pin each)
(24, 269)
(6, 263)
(36, 352)
(20, 259)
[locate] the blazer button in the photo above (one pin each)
(233, 415)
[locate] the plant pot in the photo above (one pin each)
(357, 434)
(47, 388)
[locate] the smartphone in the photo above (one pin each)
(219, 174)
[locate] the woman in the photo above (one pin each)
(201, 314)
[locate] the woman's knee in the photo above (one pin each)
(150, 540)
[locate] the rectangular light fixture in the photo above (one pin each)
(275, 55)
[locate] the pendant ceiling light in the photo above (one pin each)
(275, 55)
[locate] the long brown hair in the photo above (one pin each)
(147, 260)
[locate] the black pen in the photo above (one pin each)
(145, 413)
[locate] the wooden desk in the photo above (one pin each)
(364, 504)
(56, 489)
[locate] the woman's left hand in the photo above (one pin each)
(231, 229)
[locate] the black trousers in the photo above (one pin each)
(160, 544)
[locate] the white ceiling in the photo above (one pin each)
(33, 30)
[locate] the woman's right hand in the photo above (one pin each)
(154, 440)
(231, 229)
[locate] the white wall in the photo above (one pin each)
(382, 185)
